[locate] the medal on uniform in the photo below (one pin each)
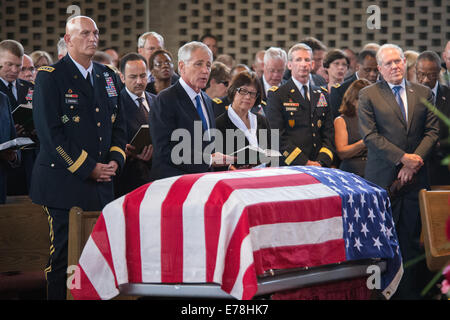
(76, 119)
(319, 123)
(322, 101)
(113, 118)
(71, 97)
(110, 87)
(291, 123)
(65, 119)
(29, 96)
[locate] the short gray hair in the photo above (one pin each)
(385, 47)
(299, 46)
(143, 38)
(185, 52)
(62, 47)
(275, 53)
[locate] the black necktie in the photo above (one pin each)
(305, 93)
(88, 79)
(11, 93)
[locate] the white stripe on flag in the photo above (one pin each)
(239, 199)
(194, 261)
(115, 228)
(296, 233)
(98, 271)
(245, 261)
(150, 228)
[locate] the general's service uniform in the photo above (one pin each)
(79, 124)
(305, 126)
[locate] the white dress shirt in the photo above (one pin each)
(250, 134)
(135, 97)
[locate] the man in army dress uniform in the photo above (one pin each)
(301, 113)
(80, 125)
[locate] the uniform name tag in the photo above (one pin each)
(72, 101)
(291, 109)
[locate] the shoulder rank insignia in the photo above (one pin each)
(46, 68)
(217, 100)
(274, 88)
(324, 89)
(263, 102)
(337, 85)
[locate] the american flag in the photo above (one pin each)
(228, 228)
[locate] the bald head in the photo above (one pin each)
(81, 38)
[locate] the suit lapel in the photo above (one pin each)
(22, 91)
(11, 97)
(388, 96)
(186, 102)
(209, 109)
(411, 97)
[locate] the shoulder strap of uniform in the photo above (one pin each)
(217, 100)
(324, 89)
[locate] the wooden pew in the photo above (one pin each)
(440, 187)
(24, 246)
(81, 224)
(434, 212)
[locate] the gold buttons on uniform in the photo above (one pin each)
(99, 153)
(71, 107)
(97, 109)
(52, 165)
(98, 124)
(100, 138)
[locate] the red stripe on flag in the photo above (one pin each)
(131, 208)
(100, 237)
(172, 228)
(294, 211)
(86, 290)
(310, 255)
(250, 283)
(219, 196)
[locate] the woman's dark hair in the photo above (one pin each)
(348, 105)
(245, 78)
(333, 55)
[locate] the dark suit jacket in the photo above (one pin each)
(135, 172)
(175, 110)
(78, 126)
(440, 174)
(223, 122)
(23, 87)
(337, 94)
(7, 132)
(387, 135)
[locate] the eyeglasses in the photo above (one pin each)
(245, 92)
(165, 63)
(430, 76)
(225, 83)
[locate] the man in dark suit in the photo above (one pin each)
(427, 72)
(80, 125)
(8, 158)
(400, 133)
(301, 113)
(19, 92)
(184, 106)
(275, 60)
(366, 68)
(136, 103)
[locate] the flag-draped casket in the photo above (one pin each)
(229, 227)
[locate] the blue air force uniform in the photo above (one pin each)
(79, 123)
